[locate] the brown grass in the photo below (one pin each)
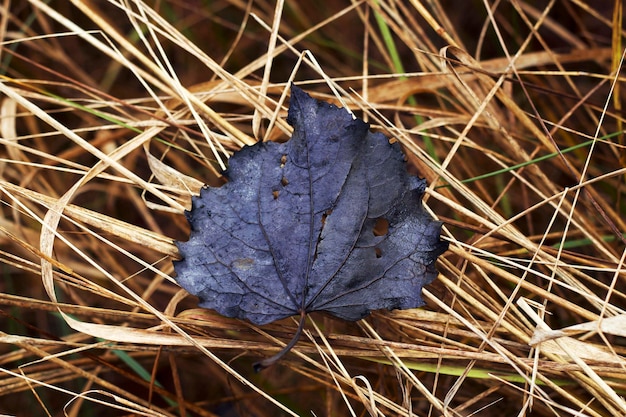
(114, 113)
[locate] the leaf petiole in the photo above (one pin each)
(259, 366)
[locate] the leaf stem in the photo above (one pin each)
(259, 366)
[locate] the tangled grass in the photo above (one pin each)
(114, 113)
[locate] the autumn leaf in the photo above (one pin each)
(327, 221)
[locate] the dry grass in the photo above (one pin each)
(114, 113)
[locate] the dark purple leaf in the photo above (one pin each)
(328, 221)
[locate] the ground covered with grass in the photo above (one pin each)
(113, 114)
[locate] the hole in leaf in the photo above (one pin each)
(275, 194)
(283, 161)
(284, 181)
(381, 226)
(326, 214)
(378, 252)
